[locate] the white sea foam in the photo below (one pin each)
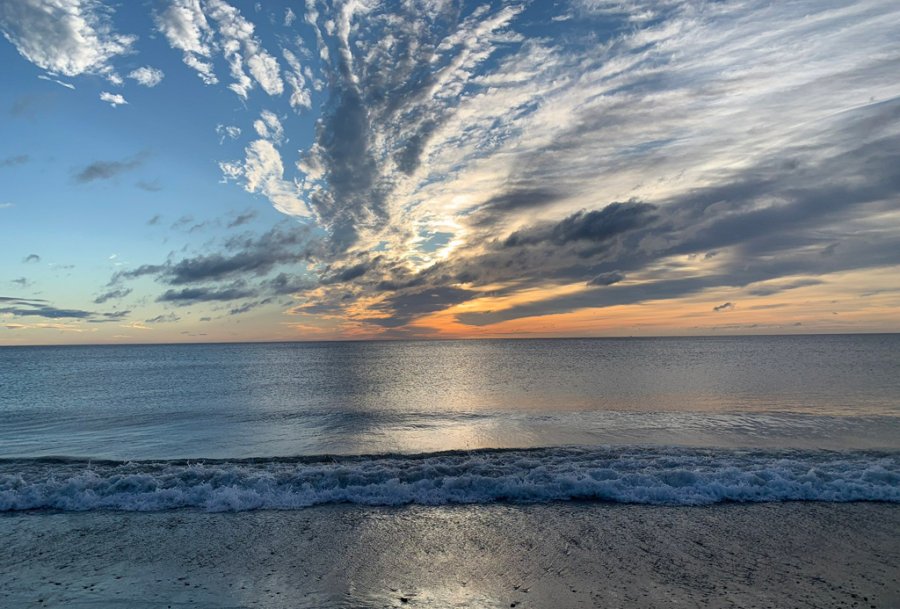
(638, 475)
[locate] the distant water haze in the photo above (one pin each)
(237, 401)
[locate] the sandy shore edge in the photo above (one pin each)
(499, 555)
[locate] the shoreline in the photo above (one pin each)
(580, 554)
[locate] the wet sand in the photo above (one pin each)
(549, 556)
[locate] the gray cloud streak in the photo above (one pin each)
(105, 170)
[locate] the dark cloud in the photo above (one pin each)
(728, 306)
(403, 308)
(112, 295)
(284, 283)
(245, 257)
(31, 258)
(46, 311)
(105, 170)
(154, 220)
(241, 269)
(144, 269)
(188, 296)
(36, 307)
(242, 219)
(12, 161)
(607, 278)
(249, 306)
(170, 318)
(22, 282)
(348, 273)
(110, 317)
(22, 301)
(598, 225)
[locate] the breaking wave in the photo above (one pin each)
(621, 475)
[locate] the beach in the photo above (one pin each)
(553, 555)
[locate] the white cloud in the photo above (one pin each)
(263, 172)
(68, 37)
(6, 205)
(230, 131)
(300, 95)
(268, 126)
(114, 99)
(147, 76)
(289, 17)
(186, 28)
(61, 83)
(241, 48)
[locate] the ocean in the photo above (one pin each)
(663, 421)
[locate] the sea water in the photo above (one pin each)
(682, 421)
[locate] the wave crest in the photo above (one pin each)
(638, 475)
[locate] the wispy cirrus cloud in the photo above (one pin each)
(546, 161)
(488, 162)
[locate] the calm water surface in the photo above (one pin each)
(256, 400)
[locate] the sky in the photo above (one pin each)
(203, 170)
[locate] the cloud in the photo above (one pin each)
(36, 310)
(241, 219)
(186, 28)
(591, 226)
(115, 294)
(514, 146)
(113, 99)
(105, 170)
(147, 76)
(728, 306)
(105, 318)
(301, 97)
(22, 282)
(249, 306)
(268, 126)
(189, 296)
(68, 37)
(34, 307)
(6, 205)
(31, 258)
(769, 288)
(244, 268)
(609, 278)
(463, 157)
(242, 49)
(15, 160)
(61, 83)
(170, 318)
(227, 131)
(262, 171)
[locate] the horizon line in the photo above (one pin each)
(448, 339)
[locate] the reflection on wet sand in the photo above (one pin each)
(499, 555)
